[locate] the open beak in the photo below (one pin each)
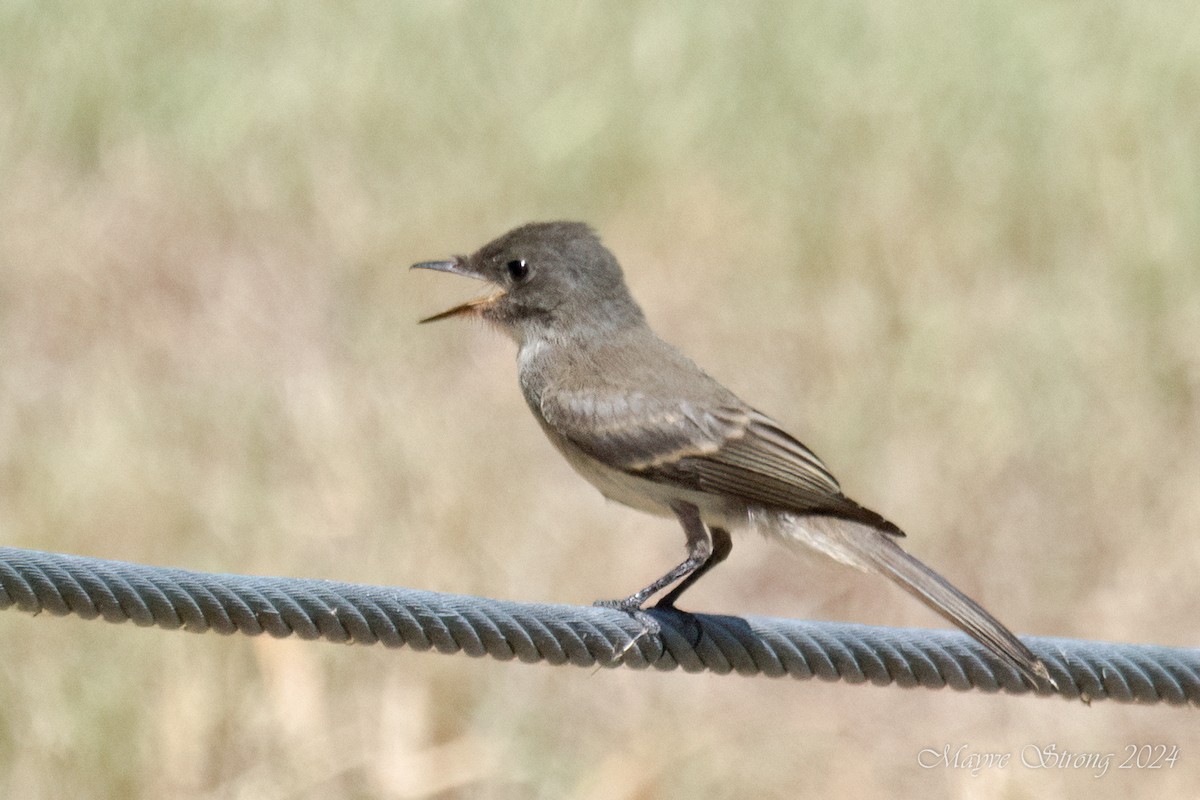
(455, 267)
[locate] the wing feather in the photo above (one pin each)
(728, 450)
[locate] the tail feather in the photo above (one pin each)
(943, 597)
(874, 551)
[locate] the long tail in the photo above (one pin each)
(862, 546)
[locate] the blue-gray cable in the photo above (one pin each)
(36, 581)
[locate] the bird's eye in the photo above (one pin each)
(517, 269)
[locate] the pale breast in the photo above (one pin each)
(645, 495)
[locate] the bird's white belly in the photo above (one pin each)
(647, 495)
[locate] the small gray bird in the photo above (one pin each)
(650, 429)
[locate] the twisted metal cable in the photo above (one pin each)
(36, 581)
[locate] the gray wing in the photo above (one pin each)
(725, 449)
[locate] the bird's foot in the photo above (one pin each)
(633, 607)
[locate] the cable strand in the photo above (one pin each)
(34, 581)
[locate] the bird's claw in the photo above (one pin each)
(633, 608)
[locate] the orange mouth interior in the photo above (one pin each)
(476, 306)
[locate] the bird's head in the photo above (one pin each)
(556, 277)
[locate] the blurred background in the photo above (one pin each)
(955, 248)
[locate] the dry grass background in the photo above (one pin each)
(956, 248)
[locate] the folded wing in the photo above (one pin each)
(729, 450)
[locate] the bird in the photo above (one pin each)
(651, 430)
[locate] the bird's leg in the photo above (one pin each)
(722, 545)
(699, 559)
